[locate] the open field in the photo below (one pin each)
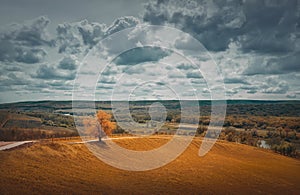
(58, 163)
(229, 168)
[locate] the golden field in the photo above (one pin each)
(229, 168)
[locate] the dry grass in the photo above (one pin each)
(60, 168)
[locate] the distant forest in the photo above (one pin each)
(247, 121)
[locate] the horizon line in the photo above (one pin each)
(49, 100)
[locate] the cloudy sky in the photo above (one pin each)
(45, 45)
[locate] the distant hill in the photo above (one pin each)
(239, 107)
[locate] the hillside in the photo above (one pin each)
(62, 168)
(16, 126)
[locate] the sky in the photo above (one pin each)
(246, 49)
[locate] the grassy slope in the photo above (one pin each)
(16, 121)
(228, 168)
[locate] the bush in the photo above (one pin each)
(285, 148)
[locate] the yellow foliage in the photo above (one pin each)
(99, 125)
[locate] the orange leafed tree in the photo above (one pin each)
(99, 126)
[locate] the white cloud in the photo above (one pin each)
(122, 23)
(250, 41)
(291, 95)
(78, 37)
(274, 85)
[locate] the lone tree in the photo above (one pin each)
(100, 125)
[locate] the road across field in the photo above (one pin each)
(95, 140)
(14, 144)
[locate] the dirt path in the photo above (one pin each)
(3, 143)
(112, 138)
(12, 145)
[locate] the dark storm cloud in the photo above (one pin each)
(105, 86)
(213, 23)
(13, 80)
(12, 68)
(48, 72)
(107, 80)
(30, 56)
(32, 34)
(258, 36)
(23, 43)
(141, 55)
(270, 25)
(130, 70)
(194, 74)
(48, 85)
(290, 63)
(9, 52)
(275, 65)
(235, 80)
(257, 25)
(249, 87)
(68, 63)
(198, 81)
(184, 66)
